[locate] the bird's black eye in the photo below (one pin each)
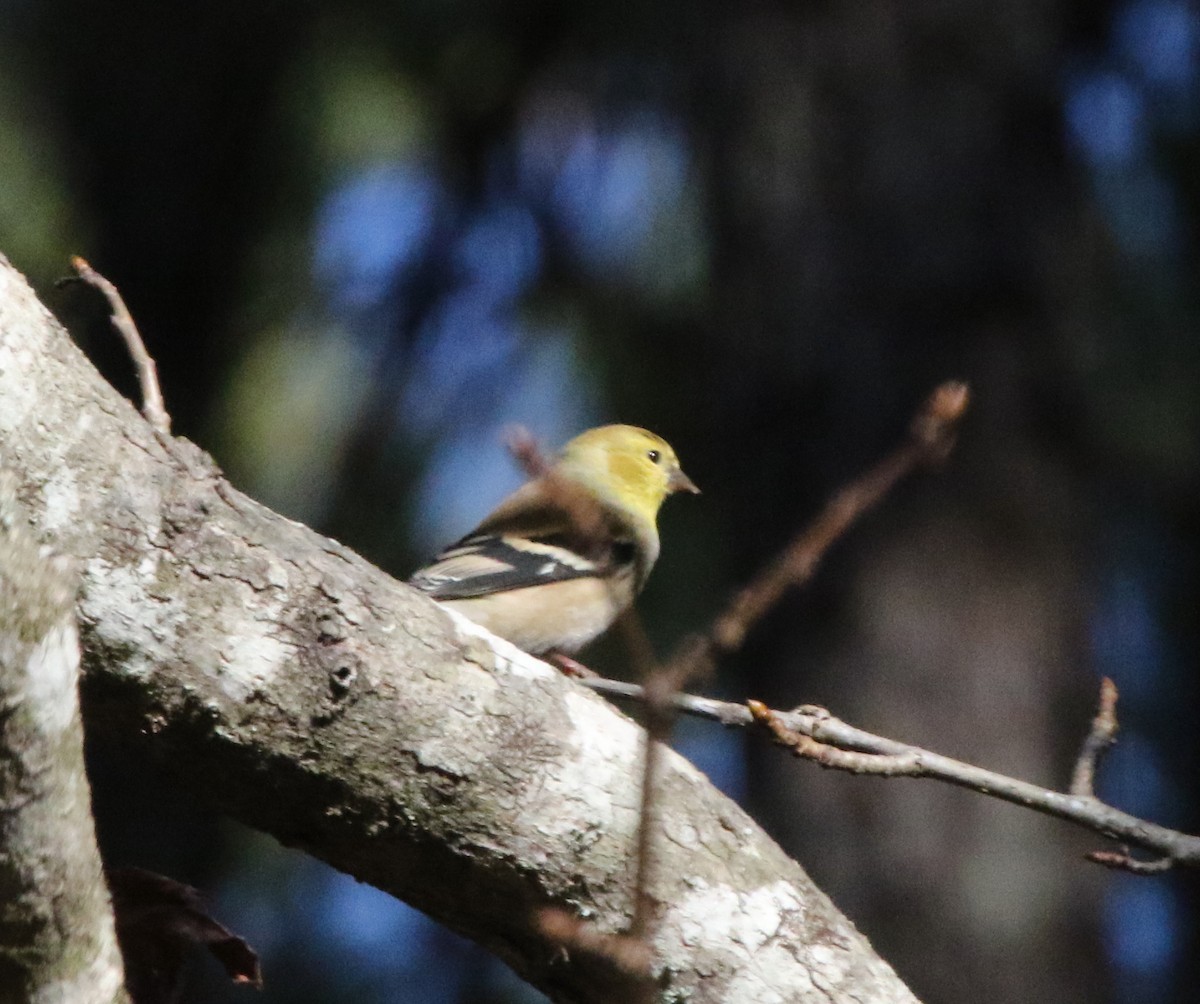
(654, 456)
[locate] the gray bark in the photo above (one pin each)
(57, 943)
(294, 686)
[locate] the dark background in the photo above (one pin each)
(362, 237)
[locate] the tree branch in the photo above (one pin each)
(931, 437)
(1101, 736)
(154, 410)
(57, 940)
(295, 687)
(814, 734)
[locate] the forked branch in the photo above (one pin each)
(813, 734)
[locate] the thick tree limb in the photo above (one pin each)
(57, 941)
(299, 689)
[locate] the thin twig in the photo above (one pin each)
(629, 958)
(153, 408)
(584, 514)
(643, 905)
(590, 524)
(903, 760)
(659, 718)
(523, 446)
(1102, 735)
(931, 437)
(907, 764)
(1122, 861)
(662, 684)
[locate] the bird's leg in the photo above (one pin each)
(570, 667)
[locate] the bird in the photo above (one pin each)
(558, 560)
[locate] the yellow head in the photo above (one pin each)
(626, 467)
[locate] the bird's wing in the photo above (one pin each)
(533, 539)
(490, 563)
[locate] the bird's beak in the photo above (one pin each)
(680, 482)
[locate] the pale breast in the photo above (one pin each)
(562, 616)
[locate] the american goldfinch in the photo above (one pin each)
(556, 562)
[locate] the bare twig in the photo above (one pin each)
(903, 760)
(1122, 861)
(153, 408)
(583, 512)
(628, 956)
(931, 437)
(661, 684)
(659, 718)
(643, 904)
(907, 764)
(523, 446)
(1101, 736)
